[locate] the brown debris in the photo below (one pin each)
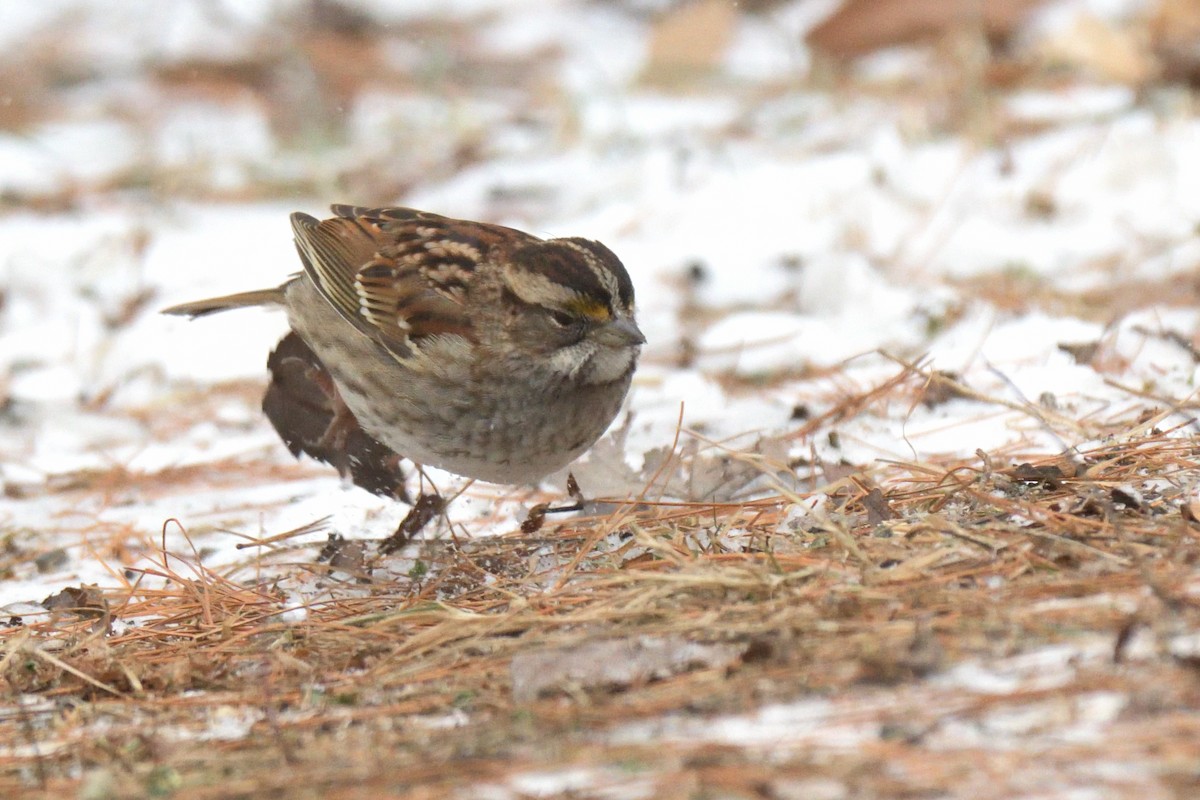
(347, 556)
(878, 508)
(1100, 48)
(1175, 33)
(675, 609)
(942, 387)
(1083, 352)
(689, 40)
(83, 601)
(862, 26)
(426, 507)
(1047, 476)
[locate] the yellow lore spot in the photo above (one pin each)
(590, 309)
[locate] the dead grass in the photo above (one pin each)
(1019, 292)
(403, 685)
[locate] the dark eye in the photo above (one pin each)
(562, 319)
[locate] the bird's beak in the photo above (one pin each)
(620, 332)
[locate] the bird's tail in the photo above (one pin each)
(200, 308)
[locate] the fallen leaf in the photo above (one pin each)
(1082, 352)
(690, 40)
(1115, 53)
(1175, 37)
(83, 601)
(878, 508)
(863, 26)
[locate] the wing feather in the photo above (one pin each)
(398, 274)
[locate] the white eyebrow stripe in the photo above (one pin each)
(604, 275)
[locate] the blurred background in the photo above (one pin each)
(235, 101)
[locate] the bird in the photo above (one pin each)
(467, 346)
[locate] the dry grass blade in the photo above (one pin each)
(818, 596)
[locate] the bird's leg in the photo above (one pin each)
(425, 508)
(537, 514)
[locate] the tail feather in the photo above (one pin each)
(200, 308)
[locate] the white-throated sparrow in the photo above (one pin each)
(470, 347)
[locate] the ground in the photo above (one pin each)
(904, 502)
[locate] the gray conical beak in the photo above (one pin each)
(620, 332)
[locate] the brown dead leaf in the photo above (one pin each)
(1175, 34)
(1046, 476)
(1110, 52)
(1190, 511)
(942, 387)
(347, 555)
(878, 508)
(83, 601)
(1082, 352)
(77, 599)
(862, 26)
(690, 40)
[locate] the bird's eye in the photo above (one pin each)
(562, 319)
